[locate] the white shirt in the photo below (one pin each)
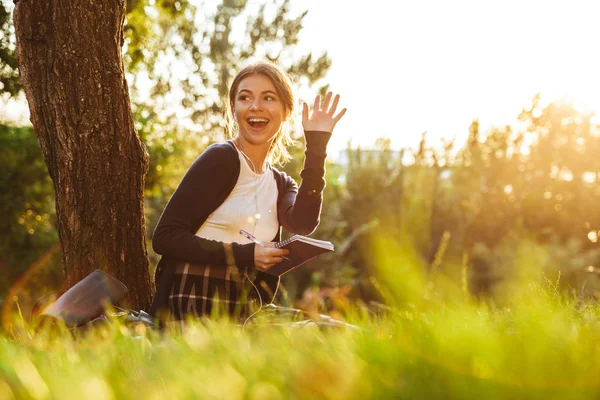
(251, 206)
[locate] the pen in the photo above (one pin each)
(251, 237)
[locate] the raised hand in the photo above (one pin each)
(323, 116)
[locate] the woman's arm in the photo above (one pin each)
(211, 176)
(299, 209)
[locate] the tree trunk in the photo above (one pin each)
(69, 56)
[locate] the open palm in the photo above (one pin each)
(323, 116)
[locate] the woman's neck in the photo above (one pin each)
(256, 154)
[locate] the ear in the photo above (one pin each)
(232, 113)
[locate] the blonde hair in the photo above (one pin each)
(278, 153)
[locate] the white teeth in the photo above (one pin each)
(257, 120)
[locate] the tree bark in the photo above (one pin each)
(70, 60)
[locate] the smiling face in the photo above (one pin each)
(258, 110)
(264, 91)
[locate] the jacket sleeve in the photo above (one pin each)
(299, 209)
(190, 205)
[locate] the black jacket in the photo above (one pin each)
(205, 186)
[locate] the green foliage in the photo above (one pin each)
(27, 226)
(465, 215)
(28, 212)
(530, 182)
(371, 200)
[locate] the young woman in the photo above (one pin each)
(233, 186)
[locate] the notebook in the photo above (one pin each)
(302, 249)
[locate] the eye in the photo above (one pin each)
(269, 97)
(243, 97)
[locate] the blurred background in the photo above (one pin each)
(471, 139)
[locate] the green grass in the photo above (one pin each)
(436, 342)
(548, 351)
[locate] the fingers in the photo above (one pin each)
(264, 267)
(334, 105)
(322, 117)
(339, 116)
(317, 102)
(326, 102)
(266, 257)
(266, 252)
(304, 112)
(280, 252)
(317, 106)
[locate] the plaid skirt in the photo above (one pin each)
(206, 290)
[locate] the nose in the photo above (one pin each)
(256, 105)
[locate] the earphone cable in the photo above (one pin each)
(254, 169)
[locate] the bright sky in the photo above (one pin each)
(404, 67)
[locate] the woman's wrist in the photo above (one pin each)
(317, 140)
(244, 255)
